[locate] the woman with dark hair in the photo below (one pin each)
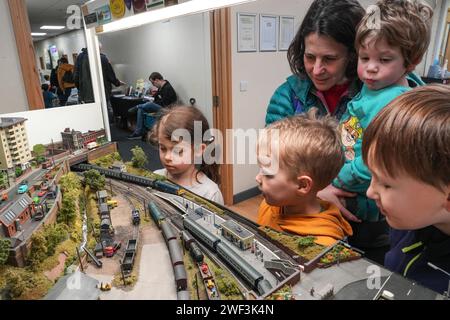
(323, 60)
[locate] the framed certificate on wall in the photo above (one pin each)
(286, 32)
(246, 34)
(268, 32)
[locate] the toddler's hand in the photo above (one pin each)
(332, 194)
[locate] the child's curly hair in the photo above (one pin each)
(401, 23)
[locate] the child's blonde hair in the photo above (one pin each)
(184, 117)
(310, 145)
(412, 136)
(402, 23)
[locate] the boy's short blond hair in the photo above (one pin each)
(401, 23)
(309, 146)
(412, 136)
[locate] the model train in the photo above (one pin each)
(242, 267)
(159, 185)
(174, 247)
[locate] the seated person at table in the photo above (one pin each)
(50, 99)
(299, 156)
(164, 97)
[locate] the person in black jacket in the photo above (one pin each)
(83, 80)
(164, 97)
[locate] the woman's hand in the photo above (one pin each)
(333, 195)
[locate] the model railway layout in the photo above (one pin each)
(262, 266)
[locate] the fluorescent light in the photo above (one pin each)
(52, 27)
(38, 34)
(185, 8)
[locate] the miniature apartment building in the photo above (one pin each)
(238, 235)
(15, 215)
(14, 148)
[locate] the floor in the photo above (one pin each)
(248, 208)
(124, 147)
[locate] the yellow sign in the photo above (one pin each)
(117, 8)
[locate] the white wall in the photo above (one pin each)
(265, 71)
(67, 43)
(45, 125)
(12, 90)
(179, 49)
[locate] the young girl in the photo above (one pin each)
(182, 157)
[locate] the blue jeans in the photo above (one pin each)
(141, 108)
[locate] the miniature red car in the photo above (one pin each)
(108, 251)
(41, 193)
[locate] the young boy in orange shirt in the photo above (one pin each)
(299, 156)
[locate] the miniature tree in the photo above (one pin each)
(70, 182)
(3, 179)
(16, 283)
(4, 250)
(68, 213)
(94, 180)
(39, 152)
(139, 159)
(19, 172)
(306, 242)
(54, 234)
(38, 251)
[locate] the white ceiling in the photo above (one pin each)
(49, 12)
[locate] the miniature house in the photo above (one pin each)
(15, 215)
(238, 235)
(119, 166)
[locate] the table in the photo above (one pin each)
(121, 104)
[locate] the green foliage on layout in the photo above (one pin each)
(3, 179)
(38, 250)
(70, 182)
(68, 212)
(19, 172)
(306, 241)
(24, 284)
(38, 150)
(54, 235)
(94, 180)
(108, 160)
(4, 250)
(139, 159)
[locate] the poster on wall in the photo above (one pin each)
(101, 12)
(117, 8)
(48, 63)
(139, 6)
(154, 4)
(54, 55)
(103, 15)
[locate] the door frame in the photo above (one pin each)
(221, 68)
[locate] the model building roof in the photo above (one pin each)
(8, 122)
(12, 212)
